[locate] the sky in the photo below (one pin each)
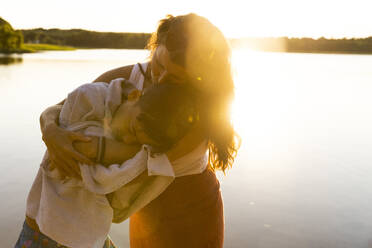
(236, 18)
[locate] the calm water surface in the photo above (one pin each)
(303, 174)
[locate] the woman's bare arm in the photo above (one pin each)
(53, 135)
(121, 72)
(187, 144)
(60, 141)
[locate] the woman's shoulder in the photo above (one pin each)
(120, 72)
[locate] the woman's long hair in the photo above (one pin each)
(200, 47)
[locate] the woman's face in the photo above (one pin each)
(163, 69)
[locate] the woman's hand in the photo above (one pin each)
(59, 142)
(62, 154)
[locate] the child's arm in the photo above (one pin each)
(113, 171)
(115, 152)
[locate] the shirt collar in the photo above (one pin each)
(158, 164)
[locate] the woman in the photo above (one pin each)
(190, 212)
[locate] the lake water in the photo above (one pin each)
(303, 176)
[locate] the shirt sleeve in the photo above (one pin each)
(104, 180)
(85, 103)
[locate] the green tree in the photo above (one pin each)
(10, 40)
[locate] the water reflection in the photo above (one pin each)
(10, 59)
(305, 121)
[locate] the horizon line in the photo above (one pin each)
(230, 38)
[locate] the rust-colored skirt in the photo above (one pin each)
(188, 214)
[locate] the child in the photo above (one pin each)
(76, 213)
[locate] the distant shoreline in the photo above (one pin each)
(39, 39)
(331, 52)
(32, 48)
(307, 45)
(79, 38)
(62, 40)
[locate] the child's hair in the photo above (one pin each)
(167, 113)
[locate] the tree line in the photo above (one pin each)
(86, 39)
(12, 41)
(321, 45)
(90, 39)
